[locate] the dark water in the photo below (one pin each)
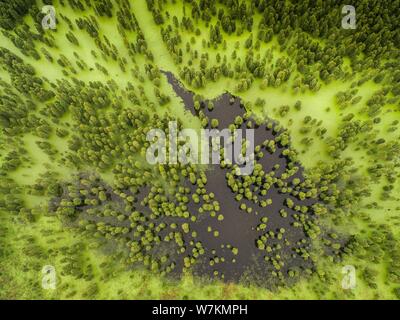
(239, 227)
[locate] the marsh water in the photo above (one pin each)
(239, 227)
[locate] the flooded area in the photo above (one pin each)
(253, 236)
(239, 228)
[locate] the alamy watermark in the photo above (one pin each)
(49, 20)
(49, 279)
(187, 146)
(349, 20)
(349, 278)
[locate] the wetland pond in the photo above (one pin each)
(239, 228)
(250, 235)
